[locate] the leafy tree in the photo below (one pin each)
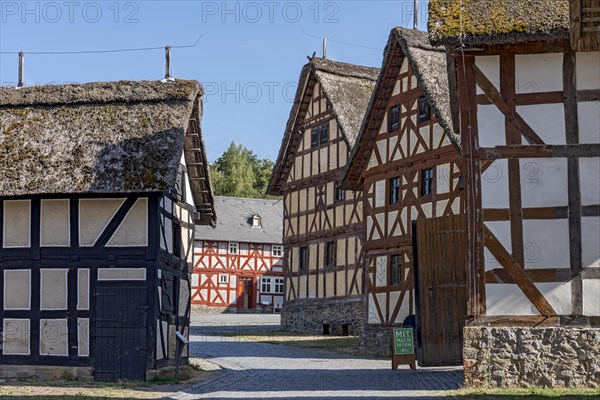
(240, 173)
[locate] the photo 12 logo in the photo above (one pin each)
(253, 12)
(53, 12)
(249, 92)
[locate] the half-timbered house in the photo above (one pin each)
(238, 265)
(528, 90)
(406, 162)
(101, 186)
(322, 224)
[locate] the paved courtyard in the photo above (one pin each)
(266, 371)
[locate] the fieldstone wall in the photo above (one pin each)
(375, 340)
(524, 357)
(309, 316)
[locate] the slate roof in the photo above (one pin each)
(489, 22)
(235, 221)
(348, 89)
(429, 63)
(106, 138)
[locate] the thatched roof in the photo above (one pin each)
(431, 69)
(235, 221)
(490, 22)
(105, 138)
(348, 89)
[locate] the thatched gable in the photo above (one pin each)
(105, 138)
(348, 89)
(430, 66)
(490, 22)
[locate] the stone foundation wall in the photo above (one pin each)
(309, 315)
(376, 340)
(524, 357)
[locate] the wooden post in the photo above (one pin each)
(21, 59)
(167, 62)
(416, 15)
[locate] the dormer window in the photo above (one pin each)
(256, 223)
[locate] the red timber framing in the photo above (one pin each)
(248, 278)
(523, 231)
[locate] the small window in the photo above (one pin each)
(233, 248)
(330, 254)
(303, 262)
(319, 136)
(340, 195)
(223, 279)
(427, 182)
(277, 250)
(424, 110)
(394, 118)
(278, 285)
(314, 137)
(394, 190)
(396, 270)
(265, 284)
(323, 134)
(256, 221)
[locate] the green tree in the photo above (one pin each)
(240, 173)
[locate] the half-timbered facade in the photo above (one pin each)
(238, 265)
(528, 79)
(406, 162)
(101, 187)
(322, 225)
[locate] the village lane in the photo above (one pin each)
(261, 371)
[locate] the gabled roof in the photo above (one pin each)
(348, 89)
(430, 66)
(489, 22)
(105, 138)
(235, 221)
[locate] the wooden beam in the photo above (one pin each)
(500, 275)
(540, 151)
(515, 119)
(517, 273)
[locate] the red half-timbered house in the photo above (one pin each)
(238, 264)
(528, 91)
(406, 161)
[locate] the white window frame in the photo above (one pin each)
(277, 250)
(266, 281)
(223, 279)
(278, 281)
(233, 248)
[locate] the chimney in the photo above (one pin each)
(324, 47)
(167, 62)
(416, 15)
(21, 59)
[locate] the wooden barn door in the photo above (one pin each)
(441, 292)
(120, 332)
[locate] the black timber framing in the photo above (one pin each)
(75, 257)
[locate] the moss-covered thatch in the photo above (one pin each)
(430, 66)
(348, 88)
(109, 138)
(477, 22)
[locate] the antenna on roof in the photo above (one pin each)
(21, 59)
(168, 77)
(416, 15)
(324, 47)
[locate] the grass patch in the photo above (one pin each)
(68, 388)
(530, 393)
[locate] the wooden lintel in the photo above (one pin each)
(517, 273)
(540, 151)
(500, 275)
(495, 97)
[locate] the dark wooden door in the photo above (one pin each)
(120, 332)
(441, 291)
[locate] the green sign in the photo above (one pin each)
(403, 341)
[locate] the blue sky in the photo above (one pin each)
(248, 58)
